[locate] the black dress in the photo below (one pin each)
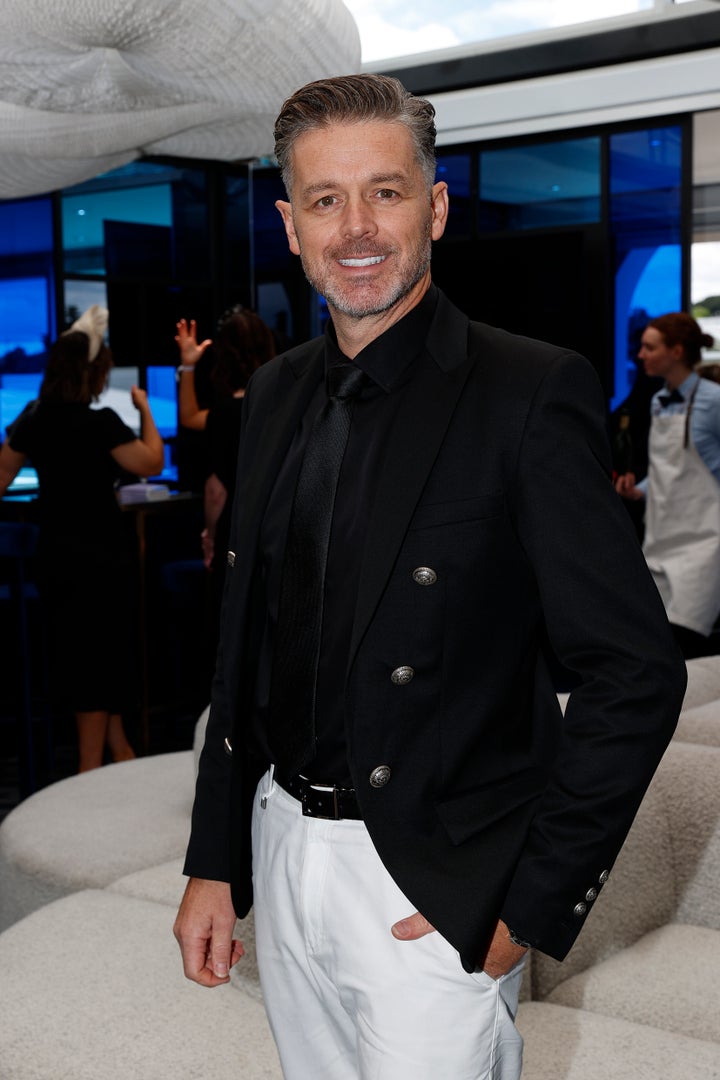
(86, 564)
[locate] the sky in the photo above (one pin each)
(390, 28)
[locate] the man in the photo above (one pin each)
(421, 810)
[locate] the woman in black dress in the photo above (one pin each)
(85, 556)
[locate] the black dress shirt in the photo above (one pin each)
(388, 361)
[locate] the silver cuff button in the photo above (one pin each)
(580, 909)
(402, 675)
(231, 558)
(424, 575)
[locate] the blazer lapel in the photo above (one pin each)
(422, 420)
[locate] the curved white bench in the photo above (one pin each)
(703, 681)
(573, 1044)
(93, 989)
(89, 830)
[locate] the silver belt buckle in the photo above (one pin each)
(308, 811)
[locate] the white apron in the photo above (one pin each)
(682, 525)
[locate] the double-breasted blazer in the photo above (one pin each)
(496, 479)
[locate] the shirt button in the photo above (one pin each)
(424, 575)
(231, 558)
(402, 675)
(380, 775)
(580, 909)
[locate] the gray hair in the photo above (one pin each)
(349, 99)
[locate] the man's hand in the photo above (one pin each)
(414, 926)
(203, 929)
(502, 953)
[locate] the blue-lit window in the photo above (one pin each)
(162, 398)
(24, 322)
(454, 169)
(141, 221)
(237, 246)
(85, 217)
(27, 314)
(16, 391)
(282, 295)
(645, 192)
(540, 185)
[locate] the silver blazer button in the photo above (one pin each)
(380, 775)
(424, 575)
(231, 558)
(402, 675)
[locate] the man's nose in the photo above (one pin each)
(359, 220)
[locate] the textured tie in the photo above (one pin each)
(671, 398)
(291, 719)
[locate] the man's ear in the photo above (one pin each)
(285, 210)
(440, 206)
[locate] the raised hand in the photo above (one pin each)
(186, 337)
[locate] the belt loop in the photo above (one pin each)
(269, 789)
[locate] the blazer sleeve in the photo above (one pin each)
(209, 848)
(606, 623)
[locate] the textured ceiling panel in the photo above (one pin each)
(88, 85)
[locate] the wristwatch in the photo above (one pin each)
(517, 940)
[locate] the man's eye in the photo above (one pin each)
(386, 193)
(327, 200)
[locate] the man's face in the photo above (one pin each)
(361, 216)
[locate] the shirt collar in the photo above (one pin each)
(386, 359)
(688, 385)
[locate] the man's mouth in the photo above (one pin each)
(371, 260)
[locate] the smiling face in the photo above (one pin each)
(659, 358)
(362, 218)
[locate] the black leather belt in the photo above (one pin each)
(322, 800)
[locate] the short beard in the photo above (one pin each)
(343, 302)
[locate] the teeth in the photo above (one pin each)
(362, 262)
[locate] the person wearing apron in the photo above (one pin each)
(682, 488)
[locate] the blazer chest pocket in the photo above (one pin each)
(433, 515)
(466, 814)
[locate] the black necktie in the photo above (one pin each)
(671, 398)
(291, 719)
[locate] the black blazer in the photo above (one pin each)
(497, 478)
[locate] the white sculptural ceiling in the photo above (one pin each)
(89, 85)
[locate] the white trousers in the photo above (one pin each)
(345, 999)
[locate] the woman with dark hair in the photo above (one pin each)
(682, 488)
(85, 555)
(242, 344)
